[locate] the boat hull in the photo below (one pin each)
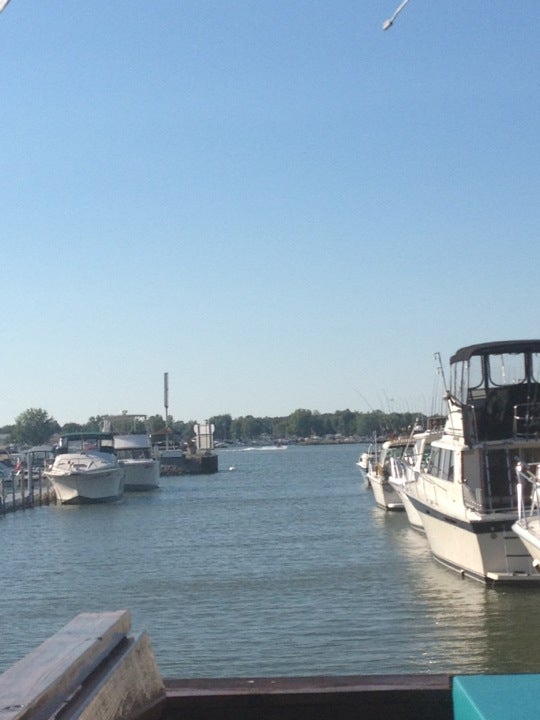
(528, 532)
(140, 475)
(384, 493)
(484, 549)
(413, 516)
(86, 478)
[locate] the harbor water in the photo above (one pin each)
(281, 566)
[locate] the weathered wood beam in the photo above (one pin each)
(370, 697)
(90, 663)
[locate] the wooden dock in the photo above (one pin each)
(14, 497)
(94, 669)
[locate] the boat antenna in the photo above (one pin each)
(388, 23)
(166, 403)
(440, 370)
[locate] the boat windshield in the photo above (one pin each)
(475, 376)
(134, 454)
(76, 444)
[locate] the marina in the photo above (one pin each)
(283, 568)
(468, 496)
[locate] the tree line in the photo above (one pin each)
(35, 426)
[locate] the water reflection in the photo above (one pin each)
(464, 626)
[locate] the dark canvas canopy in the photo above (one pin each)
(495, 348)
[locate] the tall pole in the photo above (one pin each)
(166, 401)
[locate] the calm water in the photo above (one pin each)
(283, 567)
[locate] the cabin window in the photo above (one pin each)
(535, 367)
(441, 463)
(476, 373)
(506, 369)
(133, 454)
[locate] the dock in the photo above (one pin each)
(15, 496)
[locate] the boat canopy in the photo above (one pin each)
(82, 441)
(495, 348)
(498, 386)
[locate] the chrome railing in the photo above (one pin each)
(528, 475)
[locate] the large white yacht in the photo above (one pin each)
(86, 469)
(134, 450)
(467, 497)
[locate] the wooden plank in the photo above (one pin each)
(127, 686)
(394, 697)
(34, 686)
(305, 685)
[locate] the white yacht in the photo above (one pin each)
(467, 497)
(86, 469)
(404, 471)
(135, 455)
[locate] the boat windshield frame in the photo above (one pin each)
(85, 442)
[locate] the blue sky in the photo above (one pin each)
(277, 203)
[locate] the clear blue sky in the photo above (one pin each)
(277, 203)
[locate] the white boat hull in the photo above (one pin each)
(484, 549)
(140, 474)
(384, 493)
(86, 478)
(528, 531)
(413, 516)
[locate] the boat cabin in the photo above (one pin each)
(85, 442)
(497, 386)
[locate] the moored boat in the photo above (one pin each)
(467, 496)
(134, 450)
(135, 455)
(86, 469)
(405, 471)
(380, 469)
(363, 462)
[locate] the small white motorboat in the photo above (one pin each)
(86, 469)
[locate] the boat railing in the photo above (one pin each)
(397, 468)
(528, 475)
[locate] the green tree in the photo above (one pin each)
(34, 427)
(71, 427)
(301, 423)
(345, 422)
(155, 423)
(93, 423)
(223, 426)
